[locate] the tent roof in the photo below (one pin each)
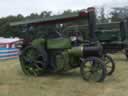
(8, 40)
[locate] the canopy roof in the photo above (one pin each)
(98, 25)
(56, 19)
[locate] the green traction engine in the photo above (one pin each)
(57, 53)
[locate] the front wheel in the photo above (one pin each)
(126, 53)
(110, 64)
(127, 56)
(93, 68)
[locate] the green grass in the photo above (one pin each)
(13, 82)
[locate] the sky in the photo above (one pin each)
(25, 7)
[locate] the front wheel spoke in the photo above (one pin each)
(96, 70)
(107, 61)
(88, 67)
(97, 74)
(87, 70)
(99, 71)
(108, 66)
(88, 75)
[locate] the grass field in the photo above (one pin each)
(13, 82)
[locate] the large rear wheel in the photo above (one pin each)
(33, 61)
(93, 68)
